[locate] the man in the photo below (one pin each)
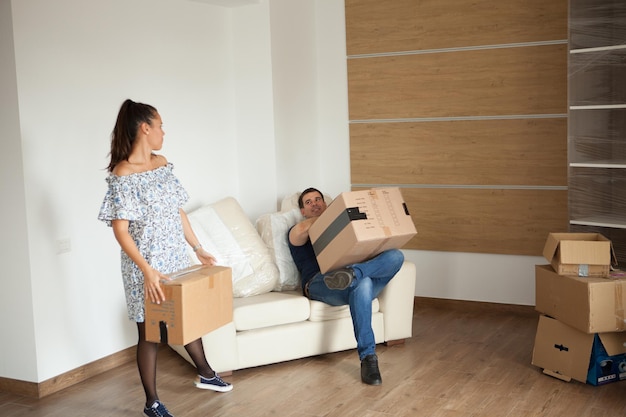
(356, 285)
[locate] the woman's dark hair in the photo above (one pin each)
(129, 118)
(308, 190)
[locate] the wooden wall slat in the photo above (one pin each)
(375, 26)
(513, 222)
(507, 81)
(506, 152)
(467, 62)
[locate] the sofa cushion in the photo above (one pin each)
(273, 228)
(322, 311)
(270, 309)
(227, 233)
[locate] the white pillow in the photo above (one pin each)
(227, 233)
(273, 229)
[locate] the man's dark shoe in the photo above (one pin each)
(369, 370)
(339, 279)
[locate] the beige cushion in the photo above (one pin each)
(271, 309)
(273, 229)
(322, 311)
(227, 233)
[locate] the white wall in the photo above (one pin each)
(507, 279)
(76, 62)
(254, 109)
(254, 104)
(17, 352)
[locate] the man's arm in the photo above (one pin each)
(299, 234)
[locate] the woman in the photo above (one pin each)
(143, 205)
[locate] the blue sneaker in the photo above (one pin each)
(157, 409)
(216, 383)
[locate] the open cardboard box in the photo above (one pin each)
(567, 353)
(359, 225)
(199, 299)
(581, 254)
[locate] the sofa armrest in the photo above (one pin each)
(396, 303)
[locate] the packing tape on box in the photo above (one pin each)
(186, 271)
(341, 221)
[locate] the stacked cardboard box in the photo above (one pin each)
(581, 333)
(582, 254)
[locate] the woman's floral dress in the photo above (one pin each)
(150, 201)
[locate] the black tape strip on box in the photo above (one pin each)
(341, 221)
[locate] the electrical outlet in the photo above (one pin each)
(63, 245)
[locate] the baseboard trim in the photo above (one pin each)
(67, 379)
(465, 305)
(75, 376)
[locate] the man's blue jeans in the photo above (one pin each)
(370, 278)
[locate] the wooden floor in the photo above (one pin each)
(464, 359)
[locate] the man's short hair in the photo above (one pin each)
(308, 190)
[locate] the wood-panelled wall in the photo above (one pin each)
(463, 104)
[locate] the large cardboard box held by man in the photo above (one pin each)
(358, 225)
(589, 304)
(582, 254)
(567, 353)
(199, 299)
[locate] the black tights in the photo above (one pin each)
(147, 361)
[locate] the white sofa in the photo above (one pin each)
(272, 320)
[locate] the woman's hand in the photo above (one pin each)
(151, 277)
(152, 285)
(205, 257)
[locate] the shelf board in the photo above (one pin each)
(615, 222)
(597, 49)
(599, 164)
(599, 107)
